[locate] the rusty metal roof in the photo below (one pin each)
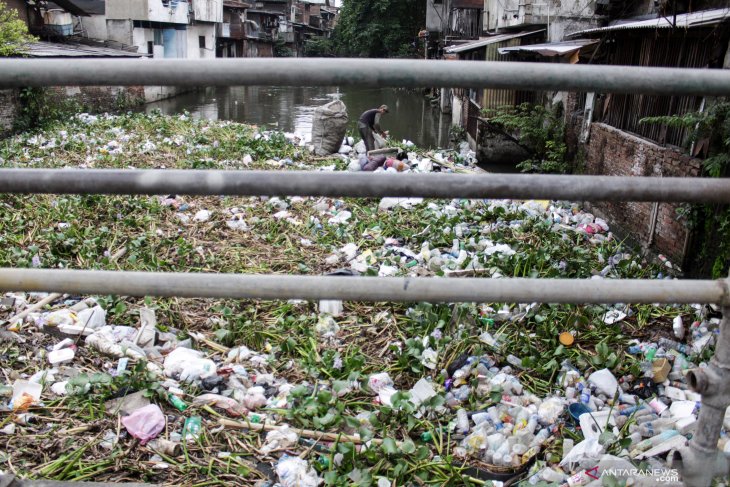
(236, 4)
(683, 21)
(551, 49)
(57, 49)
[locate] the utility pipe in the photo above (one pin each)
(373, 289)
(16, 73)
(338, 184)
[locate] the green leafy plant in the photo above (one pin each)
(378, 28)
(539, 130)
(41, 107)
(319, 47)
(14, 35)
(712, 125)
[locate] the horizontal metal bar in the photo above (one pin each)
(365, 72)
(364, 288)
(338, 184)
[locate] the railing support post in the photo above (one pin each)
(700, 461)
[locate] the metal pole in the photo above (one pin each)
(364, 72)
(338, 184)
(364, 288)
(700, 461)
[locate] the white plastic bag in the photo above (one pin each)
(296, 472)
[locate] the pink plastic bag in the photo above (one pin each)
(145, 423)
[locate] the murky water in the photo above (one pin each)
(290, 109)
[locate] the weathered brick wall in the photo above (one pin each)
(573, 123)
(102, 98)
(94, 99)
(616, 153)
(9, 108)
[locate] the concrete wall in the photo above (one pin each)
(564, 17)
(616, 153)
(140, 38)
(152, 10)
(120, 31)
(208, 10)
(435, 13)
(93, 26)
(193, 43)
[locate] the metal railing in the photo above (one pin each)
(699, 461)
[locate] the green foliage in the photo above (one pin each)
(280, 49)
(457, 134)
(712, 124)
(40, 109)
(379, 28)
(319, 47)
(13, 32)
(711, 222)
(538, 129)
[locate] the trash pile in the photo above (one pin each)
(297, 393)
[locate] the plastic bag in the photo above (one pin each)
(145, 423)
(604, 381)
(296, 472)
(379, 140)
(230, 405)
(189, 365)
(279, 438)
(329, 125)
(585, 451)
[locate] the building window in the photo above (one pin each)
(201, 42)
(158, 37)
(150, 47)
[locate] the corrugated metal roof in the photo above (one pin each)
(486, 41)
(684, 21)
(551, 49)
(56, 49)
(236, 4)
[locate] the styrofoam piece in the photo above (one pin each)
(62, 356)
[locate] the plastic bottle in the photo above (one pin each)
(514, 361)
(645, 418)
(585, 395)
(653, 441)
(650, 354)
(673, 345)
(191, 428)
(462, 421)
(540, 438)
(655, 427)
(177, 403)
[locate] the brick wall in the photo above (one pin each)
(616, 153)
(9, 108)
(102, 98)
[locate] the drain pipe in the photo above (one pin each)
(700, 461)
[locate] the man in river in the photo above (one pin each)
(368, 123)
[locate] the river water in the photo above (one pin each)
(290, 109)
